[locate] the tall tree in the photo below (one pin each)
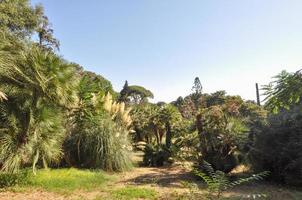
(197, 87)
(45, 33)
(124, 93)
(19, 18)
(170, 116)
(134, 94)
(284, 92)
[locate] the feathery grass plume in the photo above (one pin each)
(100, 135)
(117, 111)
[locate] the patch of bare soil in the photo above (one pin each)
(30, 195)
(164, 180)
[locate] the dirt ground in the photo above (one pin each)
(166, 181)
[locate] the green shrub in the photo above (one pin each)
(102, 144)
(222, 138)
(278, 145)
(12, 179)
(156, 156)
(99, 135)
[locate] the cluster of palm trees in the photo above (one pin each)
(40, 95)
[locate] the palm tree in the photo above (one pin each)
(39, 85)
(170, 115)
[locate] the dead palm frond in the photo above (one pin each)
(2, 96)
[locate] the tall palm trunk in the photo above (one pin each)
(168, 135)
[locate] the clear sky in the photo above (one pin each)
(164, 44)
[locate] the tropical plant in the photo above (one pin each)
(221, 138)
(283, 92)
(156, 155)
(100, 130)
(171, 117)
(39, 85)
(218, 182)
(277, 146)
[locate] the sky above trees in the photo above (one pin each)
(164, 45)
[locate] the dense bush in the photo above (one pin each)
(278, 146)
(156, 156)
(12, 179)
(222, 138)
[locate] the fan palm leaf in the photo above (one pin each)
(38, 85)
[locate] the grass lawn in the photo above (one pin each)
(69, 180)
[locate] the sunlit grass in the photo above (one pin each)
(130, 193)
(68, 179)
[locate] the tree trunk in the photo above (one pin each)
(168, 135)
(201, 134)
(156, 132)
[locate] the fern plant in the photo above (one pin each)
(218, 182)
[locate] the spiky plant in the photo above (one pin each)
(218, 181)
(39, 85)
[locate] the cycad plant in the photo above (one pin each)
(218, 181)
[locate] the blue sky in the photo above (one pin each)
(164, 44)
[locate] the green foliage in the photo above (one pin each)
(135, 94)
(130, 193)
(21, 20)
(277, 146)
(19, 17)
(222, 138)
(218, 182)
(100, 133)
(283, 92)
(92, 83)
(156, 155)
(156, 122)
(9, 179)
(38, 85)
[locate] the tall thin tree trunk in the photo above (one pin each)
(168, 135)
(201, 134)
(258, 95)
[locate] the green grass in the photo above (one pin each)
(68, 180)
(131, 193)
